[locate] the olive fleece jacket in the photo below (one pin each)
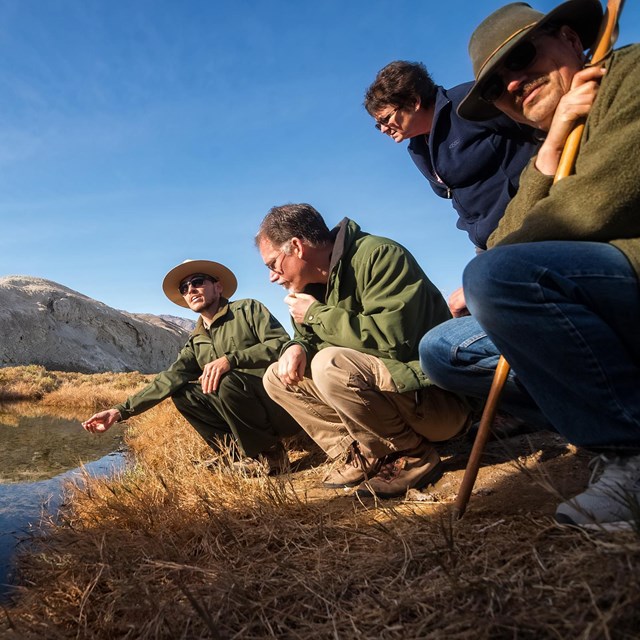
(601, 201)
(377, 300)
(243, 330)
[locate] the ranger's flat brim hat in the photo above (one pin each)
(504, 29)
(188, 268)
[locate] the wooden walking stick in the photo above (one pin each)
(603, 44)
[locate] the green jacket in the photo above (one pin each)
(377, 301)
(244, 331)
(601, 201)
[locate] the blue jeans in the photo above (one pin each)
(566, 316)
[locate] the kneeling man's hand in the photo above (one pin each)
(457, 304)
(212, 373)
(292, 364)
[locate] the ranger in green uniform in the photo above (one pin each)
(216, 381)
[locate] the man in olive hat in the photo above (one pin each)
(558, 291)
(216, 381)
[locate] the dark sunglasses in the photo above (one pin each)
(196, 282)
(520, 58)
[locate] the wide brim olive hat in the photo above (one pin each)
(187, 268)
(497, 35)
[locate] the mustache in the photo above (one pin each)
(527, 87)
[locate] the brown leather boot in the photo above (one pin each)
(356, 468)
(401, 471)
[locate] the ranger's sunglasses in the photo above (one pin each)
(196, 282)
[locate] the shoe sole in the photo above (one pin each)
(566, 521)
(343, 485)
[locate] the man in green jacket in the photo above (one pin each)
(216, 381)
(558, 291)
(351, 376)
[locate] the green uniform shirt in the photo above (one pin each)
(244, 331)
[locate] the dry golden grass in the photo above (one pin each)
(171, 549)
(26, 383)
(68, 389)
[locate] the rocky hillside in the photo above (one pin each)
(187, 324)
(42, 322)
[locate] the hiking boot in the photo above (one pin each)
(272, 462)
(402, 471)
(356, 468)
(610, 502)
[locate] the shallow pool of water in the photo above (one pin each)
(38, 453)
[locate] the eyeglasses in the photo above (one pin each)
(384, 121)
(519, 59)
(196, 282)
(271, 265)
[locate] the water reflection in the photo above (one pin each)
(38, 452)
(35, 445)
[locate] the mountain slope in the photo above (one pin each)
(42, 322)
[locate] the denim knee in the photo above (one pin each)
(435, 354)
(492, 277)
(478, 276)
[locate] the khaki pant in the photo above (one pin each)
(351, 396)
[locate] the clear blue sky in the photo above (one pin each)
(136, 134)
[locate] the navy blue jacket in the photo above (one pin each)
(476, 164)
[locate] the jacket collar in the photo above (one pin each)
(344, 235)
(222, 311)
